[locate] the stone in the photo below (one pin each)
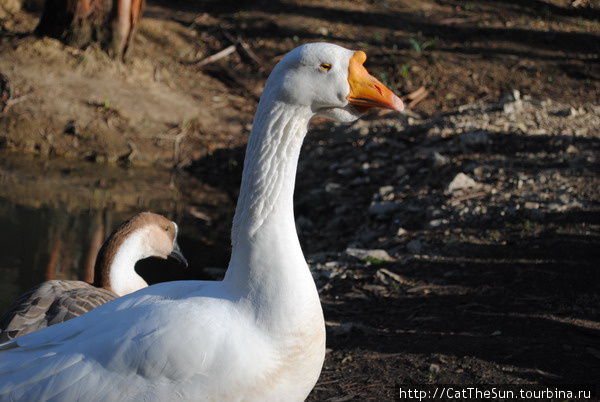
(366, 254)
(332, 187)
(323, 31)
(385, 190)
(382, 208)
(440, 160)
(461, 181)
(572, 149)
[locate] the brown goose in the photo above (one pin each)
(144, 235)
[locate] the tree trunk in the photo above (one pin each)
(111, 23)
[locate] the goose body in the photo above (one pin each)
(259, 334)
(52, 302)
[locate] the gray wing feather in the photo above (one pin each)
(50, 303)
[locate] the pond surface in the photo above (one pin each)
(55, 214)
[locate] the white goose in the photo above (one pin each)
(52, 302)
(257, 335)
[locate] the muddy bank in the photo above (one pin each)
(161, 108)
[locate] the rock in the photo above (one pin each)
(460, 181)
(385, 190)
(373, 254)
(401, 232)
(382, 208)
(323, 31)
(572, 149)
(511, 102)
(414, 246)
(434, 223)
(512, 107)
(332, 187)
(434, 368)
(337, 329)
(439, 159)
(511, 96)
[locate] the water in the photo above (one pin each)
(55, 214)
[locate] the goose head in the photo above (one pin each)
(331, 81)
(159, 237)
(144, 235)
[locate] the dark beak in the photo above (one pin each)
(177, 255)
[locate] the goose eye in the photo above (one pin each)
(166, 228)
(325, 66)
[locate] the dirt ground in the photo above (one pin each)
(457, 243)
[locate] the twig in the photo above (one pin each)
(13, 101)
(176, 146)
(217, 56)
(244, 47)
(416, 96)
(457, 200)
(247, 50)
(457, 20)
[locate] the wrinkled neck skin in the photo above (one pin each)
(267, 267)
(122, 276)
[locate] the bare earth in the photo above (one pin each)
(483, 196)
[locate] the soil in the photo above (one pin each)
(456, 243)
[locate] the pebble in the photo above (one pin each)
(332, 187)
(385, 190)
(323, 31)
(382, 208)
(460, 181)
(365, 254)
(401, 232)
(572, 149)
(440, 160)
(437, 222)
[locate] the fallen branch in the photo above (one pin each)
(244, 48)
(458, 200)
(247, 50)
(217, 56)
(416, 96)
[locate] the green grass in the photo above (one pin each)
(420, 47)
(374, 260)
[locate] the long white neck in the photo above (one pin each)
(267, 266)
(122, 276)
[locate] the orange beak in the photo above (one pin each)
(366, 91)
